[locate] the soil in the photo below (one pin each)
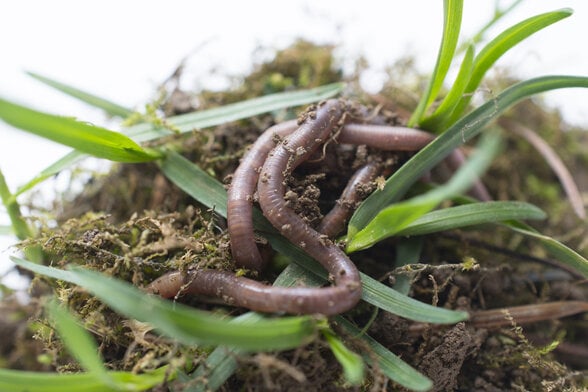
(471, 270)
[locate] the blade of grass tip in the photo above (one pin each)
(109, 107)
(460, 132)
(396, 217)
(97, 141)
(78, 342)
(452, 15)
(471, 215)
(353, 366)
(432, 123)
(19, 380)
(202, 187)
(183, 323)
(497, 47)
(391, 365)
(553, 160)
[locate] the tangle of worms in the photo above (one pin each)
(266, 167)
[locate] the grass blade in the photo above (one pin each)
(497, 47)
(202, 119)
(556, 248)
(396, 217)
(453, 10)
(454, 95)
(234, 111)
(211, 193)
(19, 226)
(185, 324)
(109, 107)
(23, 381)
(353, 366)
(471, 215)
(462, 131)
(93, 140)
(78, 342)
(392, 366)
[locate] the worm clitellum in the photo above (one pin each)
(266, 166)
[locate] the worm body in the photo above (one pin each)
(271, 188)
(334, 222)
(241, 193)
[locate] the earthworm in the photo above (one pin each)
(241, 193)
(404, 139)
(334, 222)
(283, 159)
(251, 294)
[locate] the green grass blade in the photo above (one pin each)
(471, 215)
(93, 140)
(185, 324)
(19, 227)
(462, 131)
(353, 366)
(453, 10)
(408, 251)
(454, 95)
(388, 363)
(497, 47)
(556, 248)
(211, 193)
(23, 381)
(109, 107)
(396, 217)
(202, 119)
(235, 111)
(78, 342)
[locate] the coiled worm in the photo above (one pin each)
(266, 167)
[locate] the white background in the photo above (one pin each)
(121, 50)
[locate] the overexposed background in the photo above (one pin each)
(122, 50)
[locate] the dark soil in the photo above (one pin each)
(473, 270)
